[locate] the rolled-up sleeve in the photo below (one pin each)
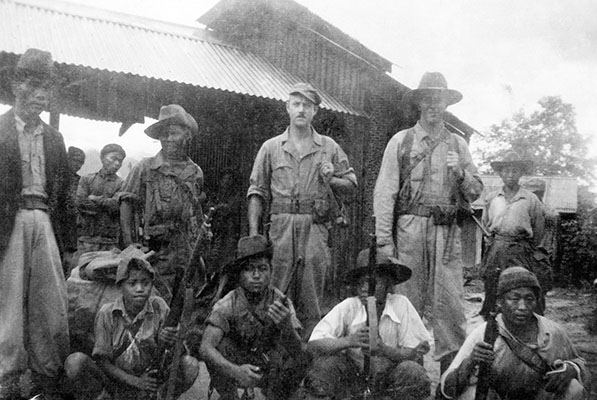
(471, 185)
(386, 191)
(259, 182)
(342, 168)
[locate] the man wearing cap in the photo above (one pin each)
(340, 340)
(99, 209)
(514, 217)
(295, 173)
(33, 193)
(129, 334)
(161, 197)
(427, 177)
(76, 159)
(532, 357)
(251, 336)
(552, 218)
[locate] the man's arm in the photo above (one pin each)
(254, 212)
(144, 382)
(246, 375)
(330, 346)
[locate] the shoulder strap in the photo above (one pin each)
(526, 355)
(404, 156)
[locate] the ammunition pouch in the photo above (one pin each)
(443, 215)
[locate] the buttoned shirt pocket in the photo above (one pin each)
(282, 175)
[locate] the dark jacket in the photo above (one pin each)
(11, 180)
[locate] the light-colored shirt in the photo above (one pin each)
(33, 163)
(522, 215)
(399, 325)
(279, 171)
(431, 181)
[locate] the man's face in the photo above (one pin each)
(518, 306)
(382, 285)
(510, 176)
(173, 139)
(432, 107)
(255, 275)
(136, 289)
(300, 110)
(75, 163)
(112, 162)
(32, 96)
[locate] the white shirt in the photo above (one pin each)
(399, 324)
(33, 163)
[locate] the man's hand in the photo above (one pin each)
(167, 336)
(360, 338)
(247, 375)
(483, 353)
(558, 381)
(326, 171)
(147, 382)
(453, 163)
(278, 312)
(422, 348)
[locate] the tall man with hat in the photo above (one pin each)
(33, 191)
(514, 217)
(251, 337)
(426, 176)
(99, 209)
(160, 200)
(341, 339)
(298, 173)
(532, 358)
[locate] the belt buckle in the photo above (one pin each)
(295, 205)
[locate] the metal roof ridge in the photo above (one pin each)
(121, 18)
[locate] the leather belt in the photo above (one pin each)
(33, 203)
(423, 210)
(291, 207)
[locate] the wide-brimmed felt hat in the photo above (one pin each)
(249, 247)
(172, 114)
(307, 91)
(433, 82)
(386, 265)
(35, 63)
(512, 159)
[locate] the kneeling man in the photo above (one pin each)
(532, 357)
(341, 340)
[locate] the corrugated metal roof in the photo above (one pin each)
(561, 193)
(118, 42)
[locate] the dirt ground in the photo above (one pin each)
(570, 307)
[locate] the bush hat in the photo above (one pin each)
(512, 159)
(112, 148)
(433, 82)
(249, 247)
(386, 265)
(307, 91)
(172, 114)
(35, 63)
(517, 277)
(124, 267)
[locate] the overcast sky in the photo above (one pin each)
(503, 55)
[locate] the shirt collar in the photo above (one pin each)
(316, 136)
(542, 332)
(106, 175)
(389, 310)
(20, 124)
(519, 195)
(119, 308)
(421, 133)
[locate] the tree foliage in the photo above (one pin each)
(548, 136)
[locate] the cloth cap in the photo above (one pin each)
(75, 152)
(386, 265)
(433, 82)
(512, 159)
(172, 114)
(111, 148)
(517, 277)
(307, 91)
(248, 247)
(124, 266)
(37, 63)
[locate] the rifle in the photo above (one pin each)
(491, 333)
(371, 322)
(181, 308)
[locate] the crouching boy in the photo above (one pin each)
(341, 340)
(128, 334)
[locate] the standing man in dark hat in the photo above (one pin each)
(33, 192)
(99, 209)
(340, 340)
(160, 201)
(426, 176)
(251, 337)
(514, 217)
(295, 173)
